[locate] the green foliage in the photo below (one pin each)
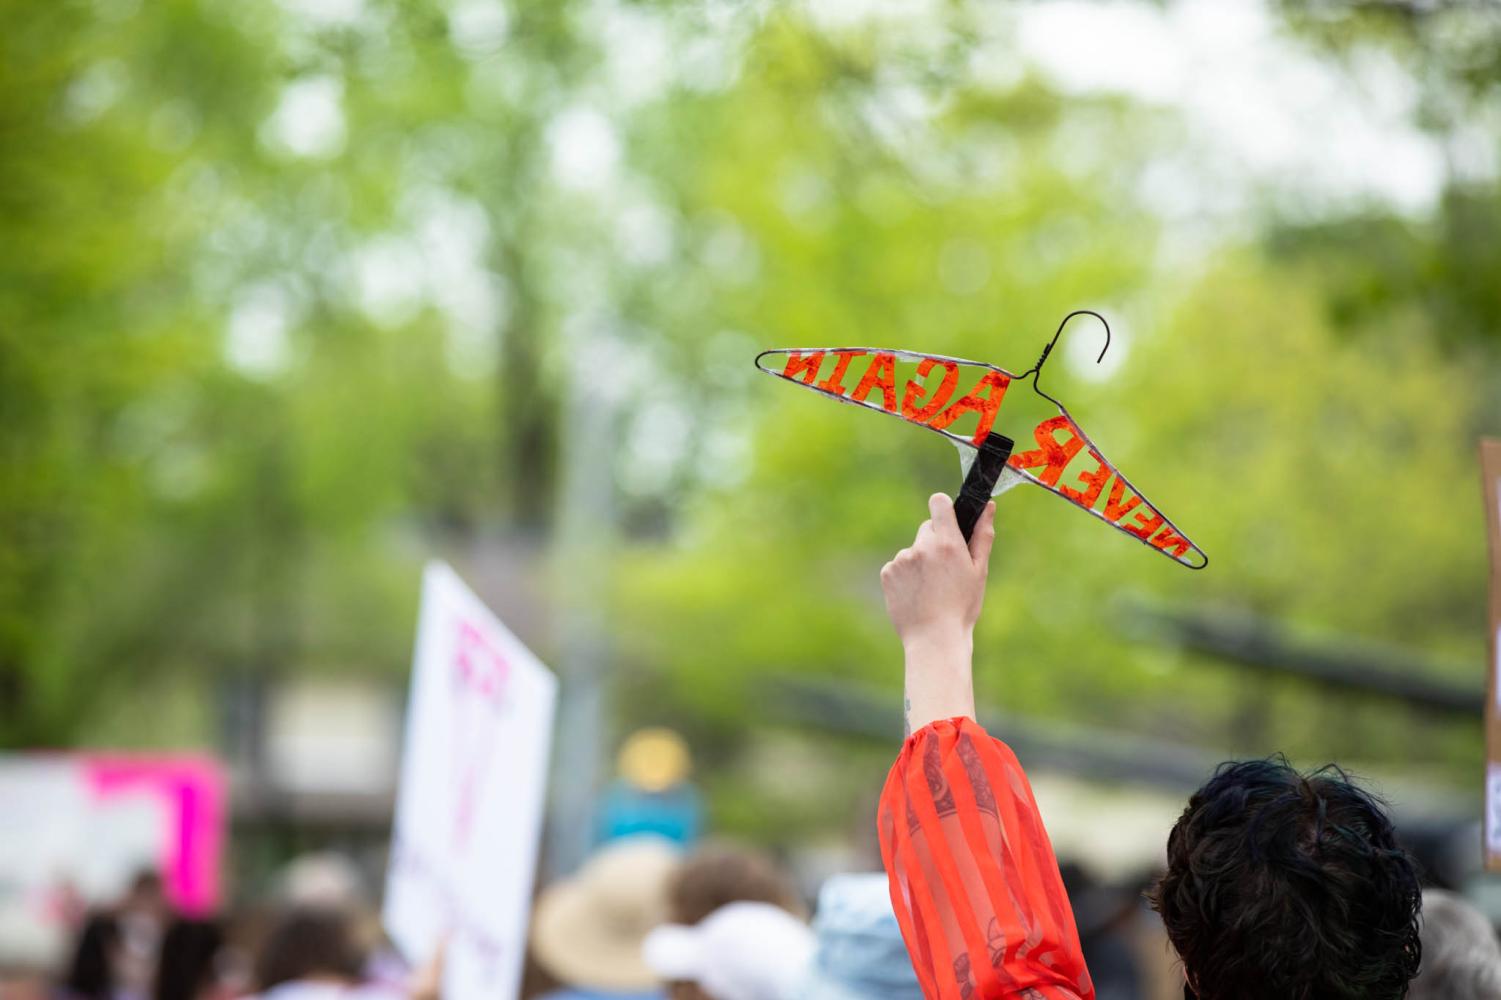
(1376, 260)
(1329, 477)
(253, 370)
(1331, 482)
(161, 510)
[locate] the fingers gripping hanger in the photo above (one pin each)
(995, 450)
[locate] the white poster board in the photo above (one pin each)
(469, 807)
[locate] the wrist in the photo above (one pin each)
(950, 644)
(939, 682)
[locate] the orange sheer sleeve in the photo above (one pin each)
(973, 878)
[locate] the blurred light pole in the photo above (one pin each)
(585, 543)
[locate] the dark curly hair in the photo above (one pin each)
(1284, 886)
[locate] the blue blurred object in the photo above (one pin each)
(675, 813)
(861, 955)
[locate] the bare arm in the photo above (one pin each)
(974, 882)
(934, 590)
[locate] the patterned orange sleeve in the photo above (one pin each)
(973, 878)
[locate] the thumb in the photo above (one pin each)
(944, 521)
(983, 538)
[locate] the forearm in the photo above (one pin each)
(939, 681)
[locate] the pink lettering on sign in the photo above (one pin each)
(479, 667)
(191, 791)
(479, 691)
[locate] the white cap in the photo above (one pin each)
(743, 951)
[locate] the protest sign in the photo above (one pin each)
(79, 827)
(1490, 469)
(469, 806)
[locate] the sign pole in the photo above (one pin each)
(1490, 466)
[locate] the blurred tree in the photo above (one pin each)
(1327, 479)
(205, 435)
(292, 294)
(96, 343)
(1375, 259)
(854, 189)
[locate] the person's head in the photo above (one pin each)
(308, 943)
(743, 951)
(185, 968)
(587, 929)
(717, 875)
(146, 894)
(1461, 957)
(1289, 886)
(860, 953)
(91, 971)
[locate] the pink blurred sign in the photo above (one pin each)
(190, 791)
(80, 826)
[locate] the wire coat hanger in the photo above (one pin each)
(1036, 370)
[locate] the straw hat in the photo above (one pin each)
(587, 930)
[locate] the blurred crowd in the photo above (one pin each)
(642, 919)
(1272, 884)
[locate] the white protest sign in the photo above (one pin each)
(469, 808)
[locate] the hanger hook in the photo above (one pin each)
(1037, 368)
